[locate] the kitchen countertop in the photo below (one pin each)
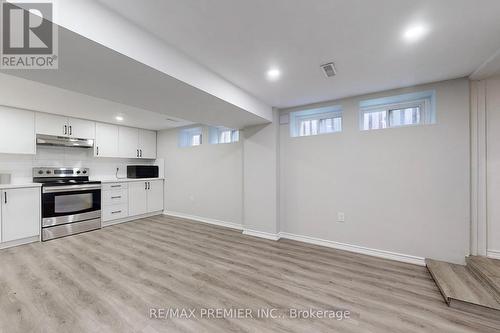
(104, 181)
(126, 180)
(19, 185)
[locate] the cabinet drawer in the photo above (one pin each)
(114, 186)
(115, 197)
(114, 212)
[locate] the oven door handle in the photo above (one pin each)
(70, 188)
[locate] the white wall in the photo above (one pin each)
(260, 177)
(402, 190)
(493, 165)
(203, 181)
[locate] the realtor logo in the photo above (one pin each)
(29, 38)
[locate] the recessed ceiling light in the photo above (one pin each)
(273, 74)
(415, 32)
(119, 118)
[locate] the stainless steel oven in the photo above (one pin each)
(70, 202)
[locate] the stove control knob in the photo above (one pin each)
(84, 171)
(40, 172)
(48, 172)
(78, 172)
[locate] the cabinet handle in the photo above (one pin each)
(65, 130)
(117, 197)
(141, 152)
(145, 185)
(5, 195)
(149, 185)
(70, 130)
(116, 186)
(97, 150)
(116, 212)
(137, 153)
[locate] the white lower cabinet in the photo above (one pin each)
(137, 198)
(129, 199)
(114, 201)
(155, 196)
(20, 214)
(145, 197)
(114, 212)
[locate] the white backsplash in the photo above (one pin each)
(20, 166)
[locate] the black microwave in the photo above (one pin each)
(142, 171)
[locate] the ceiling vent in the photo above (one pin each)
(329, 69)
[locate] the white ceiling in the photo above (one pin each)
(240, 40)
(31, 95)
(144, 96)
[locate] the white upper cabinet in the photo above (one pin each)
(82, 129)
(106, 140)
(128, 139)
(136, 143)
(110, 140)
(17, 131)
(50, 124)
(147, 144)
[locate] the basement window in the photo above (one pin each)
(398, 111)
(223, 135)
(190, 137)
(316, 121)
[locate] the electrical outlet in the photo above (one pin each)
(340, 217)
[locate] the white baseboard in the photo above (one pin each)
(356, 249)
(20, 242)
(261, 234)
(493, 254)
(205, 220)
(306, 239)
(129, 218)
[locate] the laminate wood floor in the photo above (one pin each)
(109, 280)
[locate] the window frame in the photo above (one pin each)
(186, 135)
(215, 132)
(324, 113)
(425, 101)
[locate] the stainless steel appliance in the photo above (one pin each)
(71, 204)
(142, 171)
(63, 141)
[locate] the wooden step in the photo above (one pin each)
(487, 271)
(462, 290)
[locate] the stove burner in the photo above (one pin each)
(62, 176)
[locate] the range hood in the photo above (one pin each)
(63, 141)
